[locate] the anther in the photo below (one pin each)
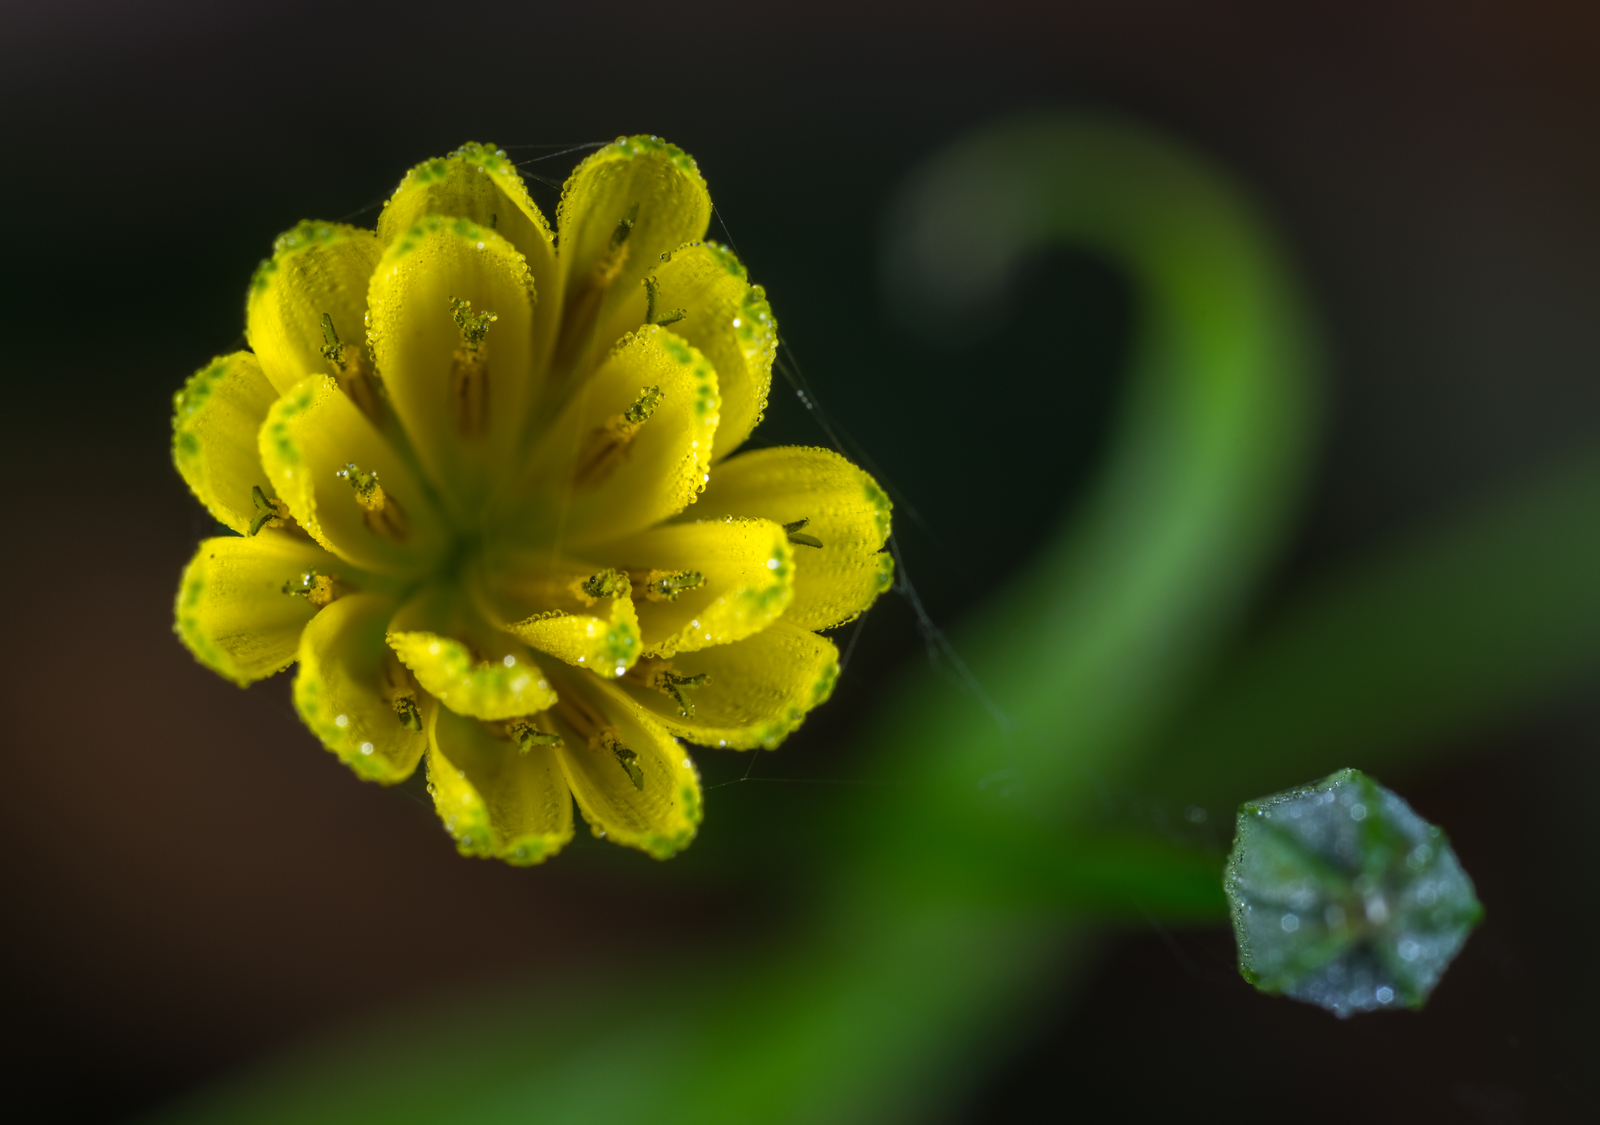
(369, 493)
(381, 511)
(332, 347)
(666, 585)
(473, 328)
(624, 227)
(607, 584)
(652, 300)
(405, 708)
(528, 736)
(318, 589)
(401, 693)
(629, 761)
(469, 374)
(269, 513)
(795, 532)
(674, 684)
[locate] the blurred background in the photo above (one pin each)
(192, 885)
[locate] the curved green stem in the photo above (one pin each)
(1083, 652)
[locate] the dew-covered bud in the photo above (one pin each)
(1343, 897)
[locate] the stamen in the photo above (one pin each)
(673, 684)
(270, 513)
(469, 372)
(381, 512)
(666, 585)
(629, 762)
(401, 693)
(405, 706)
(652, 300)
(528, 736)
(607, 584)
(605, 447)
(794, 532)
(473, 328)
(624, 228)
(355, 376)
(599, 735)
(318, 589)
(586, 294)
(369, 493)
(332, 347)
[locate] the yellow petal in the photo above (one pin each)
(214, 424)
(548, 610)
(724, 316)
(487, 688)
(589, 483)
(311, 435)
(464, 404)
(340, 690)
(232, 612)
(659, 185)
(316, 269)
(747, 571)
(634, 783)
(755, 691)
(495, 799)
(463, 661)
(478, 183)
(845, 510)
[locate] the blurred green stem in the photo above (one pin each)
(1466, 624)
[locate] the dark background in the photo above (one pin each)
(190, 882)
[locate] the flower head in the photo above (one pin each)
(481, 478)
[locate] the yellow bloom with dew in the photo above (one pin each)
(484, 484)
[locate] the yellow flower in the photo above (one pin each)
(482, 485)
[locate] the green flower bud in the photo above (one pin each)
(1343, 897)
